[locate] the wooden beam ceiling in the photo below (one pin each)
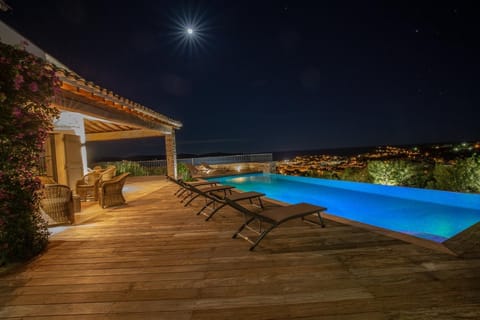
(119, 135)
(79, 87)
(76, 103)
(98, 126)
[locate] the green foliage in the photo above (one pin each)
(321, 174)
(135, 169)
(399, 173)
(311, 173)
(332, 175)
(443, 178)
(183, 172)
(27, 85)
(462, 177)
(132, 167)
(156, 171)
(355, 174)
(467, 174)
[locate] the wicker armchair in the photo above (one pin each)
(107, 174)
(46, 180)
(57, 204)
(110, 191)
(87, 187)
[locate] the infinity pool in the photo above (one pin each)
(430, 214)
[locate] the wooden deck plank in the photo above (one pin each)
(154, 259)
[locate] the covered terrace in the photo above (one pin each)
(94, 114)
(88, 113)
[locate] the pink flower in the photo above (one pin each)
(17, 113)
(33, 86)
(17, 82)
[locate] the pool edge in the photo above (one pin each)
(432, 245)
(466, 243)
(393, 234)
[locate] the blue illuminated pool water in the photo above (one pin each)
(430, 214)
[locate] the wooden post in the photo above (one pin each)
(171, 152)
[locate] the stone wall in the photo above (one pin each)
(268, 167)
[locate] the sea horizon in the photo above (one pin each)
(278, 155)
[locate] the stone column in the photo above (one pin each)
(73, 122)
(171, 152)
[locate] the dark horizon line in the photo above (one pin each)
(377, 146)
(212, 154)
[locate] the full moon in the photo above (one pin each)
(190, 31)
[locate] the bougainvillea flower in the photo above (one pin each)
(17, 81)
(33, 86)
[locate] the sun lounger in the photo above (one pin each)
(183, 189)
(274, 217)
(195, 192)
(183, 185)
(204, 169)
(218, 201)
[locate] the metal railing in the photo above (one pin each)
(240, 158)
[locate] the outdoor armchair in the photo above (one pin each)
(57, 204)
(44, 180)
(87, 187)
(110, 191)
(108, 173)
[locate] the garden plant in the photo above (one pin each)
(27, 87)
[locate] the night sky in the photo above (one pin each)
(274, 75)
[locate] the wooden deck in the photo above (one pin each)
(154, 259)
